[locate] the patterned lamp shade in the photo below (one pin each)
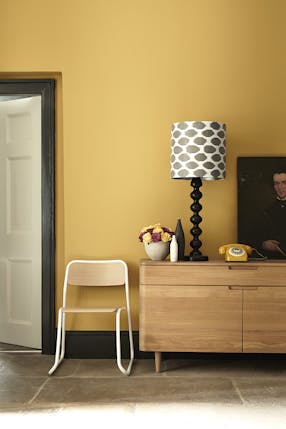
(198, 150)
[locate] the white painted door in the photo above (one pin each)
(20, 222)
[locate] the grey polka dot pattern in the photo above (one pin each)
(198, 150)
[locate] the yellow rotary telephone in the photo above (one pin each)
(235, 252)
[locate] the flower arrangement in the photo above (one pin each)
(155, 233)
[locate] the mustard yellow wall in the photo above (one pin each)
(128, 69)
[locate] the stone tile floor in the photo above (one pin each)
(206, 391)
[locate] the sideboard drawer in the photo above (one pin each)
(212, 274)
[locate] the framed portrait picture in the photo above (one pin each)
(261, 194)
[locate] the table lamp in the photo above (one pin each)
(197, 153)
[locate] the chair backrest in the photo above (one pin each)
(97, 273)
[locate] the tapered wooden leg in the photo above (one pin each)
(158, 359)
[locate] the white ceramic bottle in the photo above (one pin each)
(174, 249)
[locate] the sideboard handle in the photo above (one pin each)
(242, 287)
(242, 267)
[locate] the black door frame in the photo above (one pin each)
(45, 88)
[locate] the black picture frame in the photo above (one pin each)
(255, 195)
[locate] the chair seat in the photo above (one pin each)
(90, 309)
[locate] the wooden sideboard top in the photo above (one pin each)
(216, 262)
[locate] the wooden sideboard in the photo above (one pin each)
(212, 306)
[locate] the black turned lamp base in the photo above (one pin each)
(197, 258)
(196, 219)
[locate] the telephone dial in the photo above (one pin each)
(235, 252)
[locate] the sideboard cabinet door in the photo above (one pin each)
(264, 320)
(190, 318)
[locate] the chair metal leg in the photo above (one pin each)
(63, 341)
(131, 345)
(118, 344)
(59, 345)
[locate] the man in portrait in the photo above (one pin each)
(273, 226)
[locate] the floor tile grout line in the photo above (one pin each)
(38, 392)
(238, 392)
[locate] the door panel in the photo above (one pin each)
(264, 320)
(19, 195)
(19, 286)
(20, 219)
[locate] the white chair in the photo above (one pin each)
(95, 273)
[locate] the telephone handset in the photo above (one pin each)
(235, 252)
